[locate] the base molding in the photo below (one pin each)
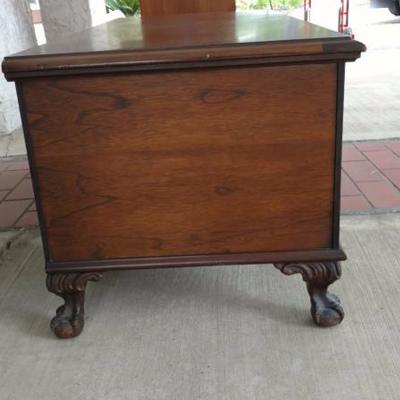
(318, 255)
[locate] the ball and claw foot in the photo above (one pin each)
(325, 307)
(69, 319)
(67, 323)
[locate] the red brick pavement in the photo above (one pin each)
(370, 182)
(370, 176)
(16, 195)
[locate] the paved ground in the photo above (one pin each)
(17, 207)
(372, 100)
(371, 177)
(370, 183)
(13, 145)
(223, 333)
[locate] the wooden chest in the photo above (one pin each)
(186, 141)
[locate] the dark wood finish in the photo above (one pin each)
(183, 41)
(32, 169)
(325, 307)
(196, 260)
(183, 184)
(69, 319)
(338, 154)
(184, 141)
(156, 8)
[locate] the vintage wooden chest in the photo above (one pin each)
(188, 140)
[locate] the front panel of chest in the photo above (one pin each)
(210, 161)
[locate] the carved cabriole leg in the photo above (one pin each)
(69, 319)
(325, 307)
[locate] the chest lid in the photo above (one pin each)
(184, 41)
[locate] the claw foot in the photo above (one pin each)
(69, 319)
(325, 307)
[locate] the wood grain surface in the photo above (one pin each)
(151, 8)
(204, 39)
(187, 162)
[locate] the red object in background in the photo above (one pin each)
(36, 17)
(307, 10)
(343, 20)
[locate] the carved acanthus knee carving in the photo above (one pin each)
(325, 307)
(69, 319)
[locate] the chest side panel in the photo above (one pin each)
(185, 162)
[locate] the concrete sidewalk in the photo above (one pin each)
(224, 333)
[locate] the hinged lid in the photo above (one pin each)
(182, 41)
